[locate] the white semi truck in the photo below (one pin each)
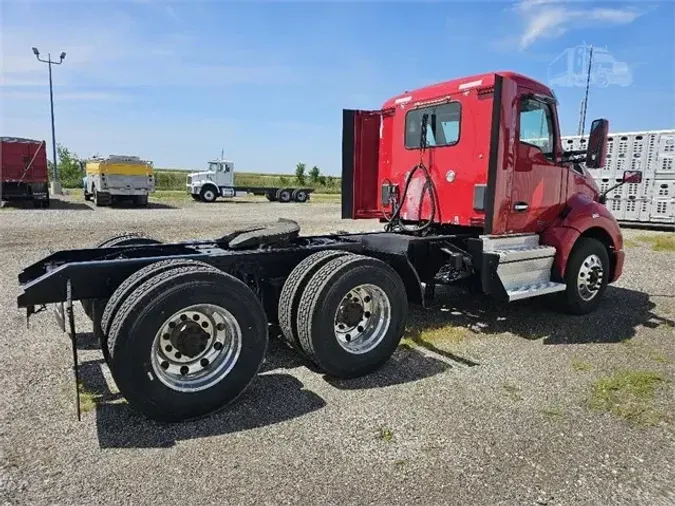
(218, 181)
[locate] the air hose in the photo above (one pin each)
(394, 222)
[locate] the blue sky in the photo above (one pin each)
(176, 82)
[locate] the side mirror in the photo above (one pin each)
(597, 144)
(632, 176)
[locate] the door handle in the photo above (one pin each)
(520, 207)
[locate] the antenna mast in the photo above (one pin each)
(582, 120)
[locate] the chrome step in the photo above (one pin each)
(524, 267)
(524, 253)
(507, 242)
(526, 291)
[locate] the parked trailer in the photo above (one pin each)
(23, 171)
(651, 202)
(218, 181)
(183, 326)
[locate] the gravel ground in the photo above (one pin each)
(490, 404)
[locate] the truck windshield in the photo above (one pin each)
(442, 125)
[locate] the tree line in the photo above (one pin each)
(70, 175)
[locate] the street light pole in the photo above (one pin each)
(49, 62)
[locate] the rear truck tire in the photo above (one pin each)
(277, 233)
(352, 315)
(208, 194)
(284, 195)
(292, 291)
(586, 276)
(186, 343)
(141, 200)
(125, 239)
(134, 281)
(102, 199)
(300, 195)
(271, 196)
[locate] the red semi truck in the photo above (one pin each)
(23, 171)
(471, 183)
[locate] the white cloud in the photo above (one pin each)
(553, 18)
(116, 54)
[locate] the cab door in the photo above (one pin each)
(361, 133)
(537, 178)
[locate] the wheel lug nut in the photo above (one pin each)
(169, 348)
(220, 326)
(165, 365)
(195, 317)
(178, 354)
(184, 370)
(360, 328)
(348, 337)
(167, 336)
(204, 362)
(172, 325)
(183, 317)
(366, 299)
(367, 314)
(217, 346)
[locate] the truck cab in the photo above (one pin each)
(483, 153)
(217, 180)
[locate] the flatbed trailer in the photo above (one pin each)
(183, 326)
(218, 181)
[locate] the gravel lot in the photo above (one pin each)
(485, 404)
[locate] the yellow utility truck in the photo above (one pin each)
(117, 178)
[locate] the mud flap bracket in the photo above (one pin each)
(66, 319)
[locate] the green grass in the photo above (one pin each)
(181, 196)
(386, 434)
(173, 179)
(628, 395)
(437, 336)
(660, 242)
(512, 391)
(88, 400)
(580, 365)
(552, 412)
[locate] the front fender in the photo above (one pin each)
(584, 216)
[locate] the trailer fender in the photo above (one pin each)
(584, 217)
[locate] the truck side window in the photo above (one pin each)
(536, 125)
(442, 125)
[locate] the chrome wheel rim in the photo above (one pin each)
(362, 319)
(196, 348)
(209, 195)
(589, 279)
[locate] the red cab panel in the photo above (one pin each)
(360, 160)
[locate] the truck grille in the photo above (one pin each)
(189, 179)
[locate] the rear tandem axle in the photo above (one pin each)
(183, 326)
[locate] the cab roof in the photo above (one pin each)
(465, 83)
